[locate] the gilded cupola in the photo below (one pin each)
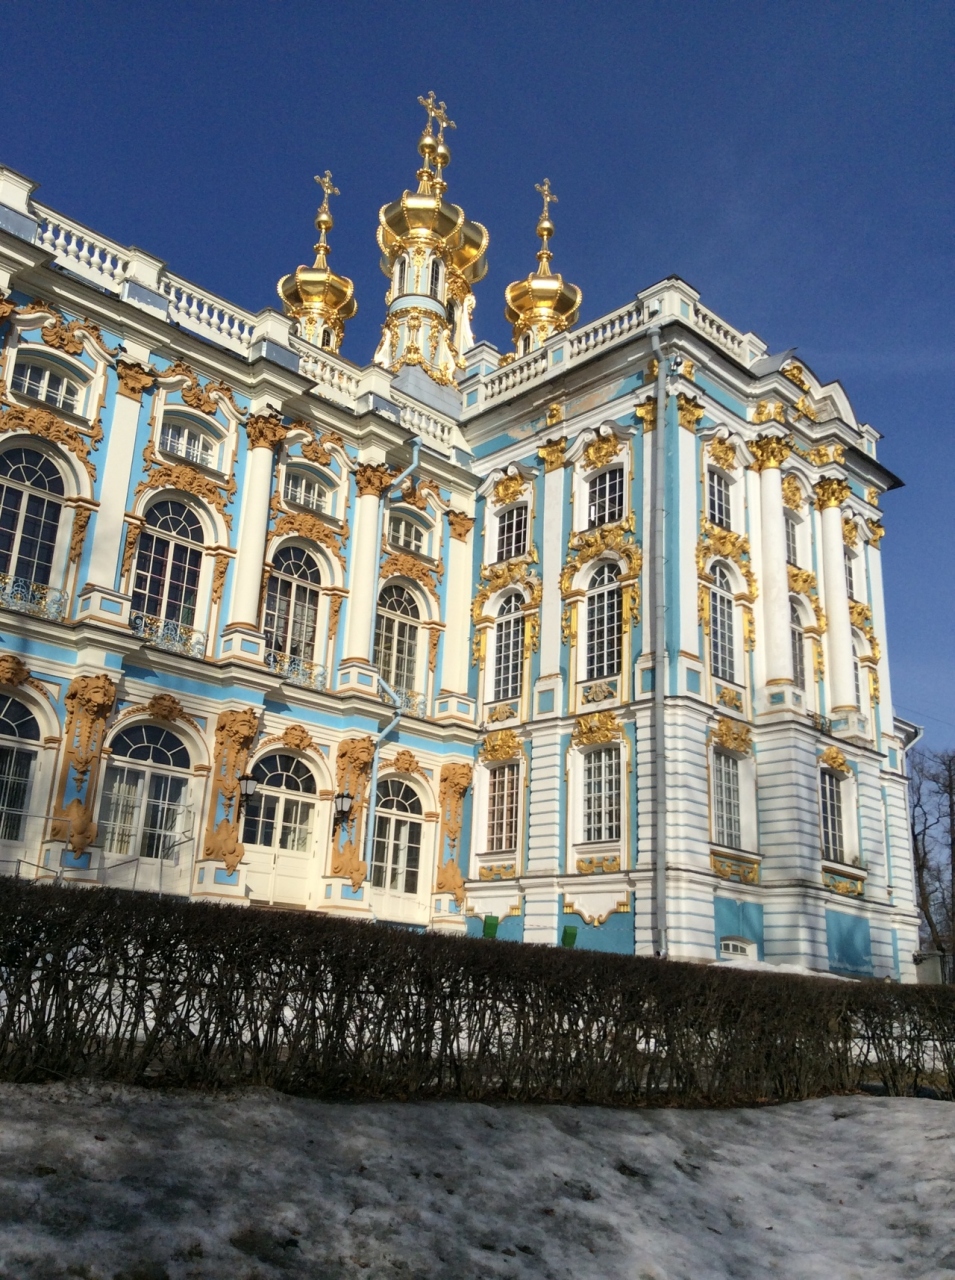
(542, 304)
(432, 255)
(319, 299)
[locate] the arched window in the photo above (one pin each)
(279, 815)
(722, 659)
(719, 500)
(799, 648)
(168, 561)
(830, 805)
(401, 277)
(291, 604)
(605, 498)
(512, 533)
(30, 489)
(326, 338)
(435, 279)
(17, 726)
(406, 533)
(396, 637)
(303, 490)
(396, 856)
(602, 794)
(509, 649)
(183, 441)
(525, 344)
(143, 810)
(603, 623)
(726, 815)
(40, 383)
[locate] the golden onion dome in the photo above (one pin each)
(425, 218)
(542, 304)
(316, 296)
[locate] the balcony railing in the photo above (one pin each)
(310, 675)
(408, 700)
(822, 723)
(164, 633)
(35, 598)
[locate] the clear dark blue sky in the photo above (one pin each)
(792, 161)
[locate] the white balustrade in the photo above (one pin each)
(717, 330)
(605, 332)
(333, 378)
(79, 250)
(205, 314)
(426, 425)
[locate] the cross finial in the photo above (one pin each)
(327, 186)
(430, 106)
(548, 196)
(437, 111)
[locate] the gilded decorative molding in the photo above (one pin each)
(703, 606)
(872, 497)
(133, 527)
(718, 543)
(265, 431)
(802, 582)
(503, 711)
(306, 524)
(89, 701)
(460, 524)
(732, 735)
(188, 479)
(372, 479)
(848, 886)
(832, 758)
(769, 452)
(860, 615)
(193, 394)
(850, 531)
(555, 414)
(68, 336)
(508, 489)
(15, 673)
(647, 413)
(235, 732)
(402, 564)
(434, 639)
(44, 423)
(723, 453)
(334, 614)
(501, 744)
(767, 411)
(498, 871)
(818, 659)
(687, 370)
(219, 571)
(821, 455)
(7, 309)
(452, 788)
(415, 492)
(551, 454)
(607, 864)
(296, 737)
(134, 379)
(599, 692)
(688, 412)
(318, 450)
(749, 629)
(572, 909)
(794, 372)
(506, 573)
(81, 518)
(162, 706)
(731, 698)
(877, 532)
(730, 868)
(601, 451)
(595, 728)
(353, 771)
(793, 496)
(803, 409)
(589, 544)
(405, 761)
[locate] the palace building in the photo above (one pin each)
(582, 644)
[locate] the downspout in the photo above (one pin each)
(395, 700)
(659, 653)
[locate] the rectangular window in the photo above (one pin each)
(799, 657)
(602, 795)
(182, 442)
(502, 809)
(719, 500)
(722, 661)
(831, 812)
(604, 632)
(512, 533)
(42, 384)
(163, 818)
(303, 491)
(605, 498)
(850, 581)
(405, 533)
(509, 657)
(396, 647)
(726, 801)
(792, 551)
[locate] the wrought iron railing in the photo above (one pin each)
(310, 675)
(164, 633)
(23, 596)
(408, 700)
(822, 723)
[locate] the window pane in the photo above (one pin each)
(37, 539)
(605, 498)
(799, 657)
(512, 533)
(509, 657)
(502, 809)
(719, 500)
(722, 662)
(726, 800)
(602, 795)
(119, 810)
(15, 769)
(603, 632)
(792, 554)
(831, 805)
(259, 824)
(296, 826)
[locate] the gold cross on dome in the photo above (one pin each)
(327, 186)
(548, 196)
(436, 111)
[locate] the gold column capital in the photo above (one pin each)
(770, 452)
(832, 492)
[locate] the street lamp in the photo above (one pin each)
(247, 788)
(343, 804)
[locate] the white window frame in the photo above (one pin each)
(724, 656)
(318, 500)
(509, 638)
(719, 498)
(399, 526)
(602, 803)
(599, 506)
(47, 370)
(194, 444)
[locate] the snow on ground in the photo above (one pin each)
(110, 1183)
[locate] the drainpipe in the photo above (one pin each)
(382, 684)
(659, 653)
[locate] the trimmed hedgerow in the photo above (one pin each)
(123, 987)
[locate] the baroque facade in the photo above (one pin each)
(582, 644)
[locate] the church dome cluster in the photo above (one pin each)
(432, 255)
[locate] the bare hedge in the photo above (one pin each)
(123, 987)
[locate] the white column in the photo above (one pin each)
(831, 493)
(264, 434)
(552, 552)
(107, 547)
(372, 481)
(771, 453)
(457, 650)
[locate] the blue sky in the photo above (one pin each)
(793, 162)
